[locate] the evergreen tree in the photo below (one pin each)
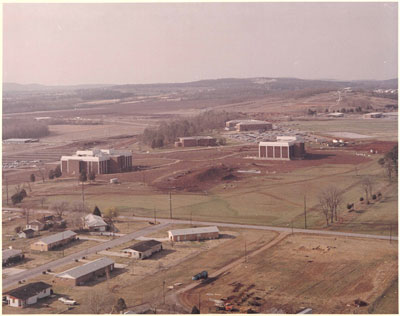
(57, 172)
(83, 176)
(33, 178)
(96, 211)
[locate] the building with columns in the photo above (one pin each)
(284, 148)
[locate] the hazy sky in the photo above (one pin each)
(147, 43)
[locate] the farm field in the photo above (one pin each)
(334, 273)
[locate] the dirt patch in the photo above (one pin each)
(380, 147)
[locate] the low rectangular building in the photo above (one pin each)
(248, 125)
(196, 141)
(336, 114)
(199, 233)
(54, 241)
(10, 256)
(20, 140)
(99, 161)
(86, 272)
(144, 249)
(373, 115)
(28, 294)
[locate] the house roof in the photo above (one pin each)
(9, 253)
(86, 268)
(28, 231)
(36, 221)
(144, 245)
(198, 230)
(94, 221)
(28, 290)
(57, 237)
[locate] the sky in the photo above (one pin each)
(130, 43)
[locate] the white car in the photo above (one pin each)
(66, 301)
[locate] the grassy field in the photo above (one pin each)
(382, 129)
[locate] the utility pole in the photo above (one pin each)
(155, 216)
(292, 227)
(305, 213)
(390, 240)
(163, 292)
(199, 304)
(245, 251)
(170, 205)
(191, 218)
(5, 177)
(83, 194)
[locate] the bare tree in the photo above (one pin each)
(100, 301)
(41, 171)
(330, 200)
(75, 217)
(367, 185)
(60, 207)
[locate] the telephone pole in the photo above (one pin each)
(83, 194)
(155, 216)
(191, 218)
(170, 205)
(390, 240)
(305, 213)
(5, 178)
(163, 292)
(245, 251)
(199, 303)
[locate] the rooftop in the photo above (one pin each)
(9, 253)
(57, 237)
(26, 291)
(198, 230)
(144, 245)
(86, 268)
(196, 137)
(94, 221)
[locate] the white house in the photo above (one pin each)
(28, 294)
(94, 223)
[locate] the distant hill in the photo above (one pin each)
(11, 86)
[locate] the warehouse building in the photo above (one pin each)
(87, 272)
(196, 141)
(99, 161)
(199, 233)
(336, 114)
(20, 140)
(373, 115)
(54, 241)
(27, 294)
(144, 249)
(284, 148)
(248, 125)
(10, 256)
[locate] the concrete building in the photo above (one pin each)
(199, 233)
(373, 115)
(94, 223)
(20, 140)
(28, 294)
(144, 249)
(100, 161)
(336, 114)
(248, 125)
(54, 241)
(196, 141)
(86, 272)
(26, 233)
(284, 148)
(10, 256)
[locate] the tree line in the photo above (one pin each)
(167, 132)
(20, 128)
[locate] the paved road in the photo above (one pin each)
(272, 228)
(60, 262)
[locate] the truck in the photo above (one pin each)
(201, 275)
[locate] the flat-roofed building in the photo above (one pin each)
(336, 114)
(198, 233)
(373, 115)
(196, 141)
(54, 241)
(27, 294)
(20, 140)
(248, 125)
(87, 272)
(144, 249)
(10, 256)
(285, 148)
(99, 161)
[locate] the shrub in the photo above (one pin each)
(83, 176)
(349, 206)
(16, 198)
(374, 196)
(361, 199)
(92, 176)
(23, 193)
(33, 178)
(51, 174)
(57, 172)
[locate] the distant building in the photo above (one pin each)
(196, 141)
(248, 125)
(336, 114)
(26, 233)
(144, 249)
(199, 233)
(99, 161)
(284, 148)
(86, 272)
(20, 140)
(10, 256)
(373, 115)
(94, 223)
(50, 242)
(36, 225)
(27, 294)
